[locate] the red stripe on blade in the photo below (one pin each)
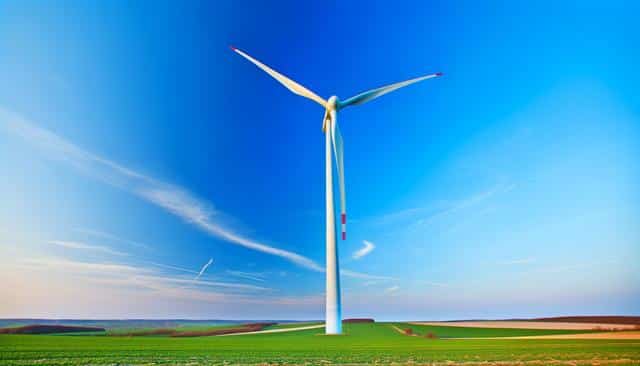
(344, 236)
(344, 218)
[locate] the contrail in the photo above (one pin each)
(245, 275)
(173, 267)
(204, 268)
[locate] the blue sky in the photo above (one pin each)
(135, 146)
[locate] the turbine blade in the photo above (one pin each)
(338, 151)
(325, 120)
(374, 93)
(288, 83)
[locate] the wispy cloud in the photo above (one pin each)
(204, 268)
(420, 216)
(576, 267)
(71, 266)
(127, 275)
(366, 249)
(104, 235)
(392, 289)
(176, 268)
(518, 261)
(84, 246)
(182, 281)
(173, 199)
(247, 275)
(396, 216)
(436, 284)
(364, 276)
(465, 203)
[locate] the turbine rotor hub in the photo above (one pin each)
(332, 103)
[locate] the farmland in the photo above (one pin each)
(362, 344)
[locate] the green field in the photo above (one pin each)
(292, 325)
(180, 328)
(362, 344)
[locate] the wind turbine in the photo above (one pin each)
(333, 139)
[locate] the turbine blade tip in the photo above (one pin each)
(233, 48)
(439, 74)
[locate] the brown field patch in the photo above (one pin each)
(604, 335)
(603, 319)
(358, 320)
(246, 328)
(576, 362)
(526, 324)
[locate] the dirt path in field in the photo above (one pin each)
(399, 330)
(281, 330)
(532, 325)
(629, 335)
(574, 362)
(624, 334)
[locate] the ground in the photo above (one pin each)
(528, 324)
(379, 343)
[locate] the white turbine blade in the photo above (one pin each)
(374, 93)
(288, 83)
(338, 151)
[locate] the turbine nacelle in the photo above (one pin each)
(332, 103)
(331, 106)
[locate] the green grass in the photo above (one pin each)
(180, 328)
(362, 344)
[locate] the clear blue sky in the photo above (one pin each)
(135, 146)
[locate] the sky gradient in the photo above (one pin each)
(135, 146)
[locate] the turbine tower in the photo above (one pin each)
(333, 143)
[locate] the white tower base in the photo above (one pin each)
(333, 317)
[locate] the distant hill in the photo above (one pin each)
(606, 319)
(48, 329)
(132, 323)
(359, 320)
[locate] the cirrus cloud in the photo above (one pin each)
(366, 249)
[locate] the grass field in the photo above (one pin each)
(292, 325)
(362, 344)
(181, 328)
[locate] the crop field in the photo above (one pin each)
(461, 332)
(378, 343)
